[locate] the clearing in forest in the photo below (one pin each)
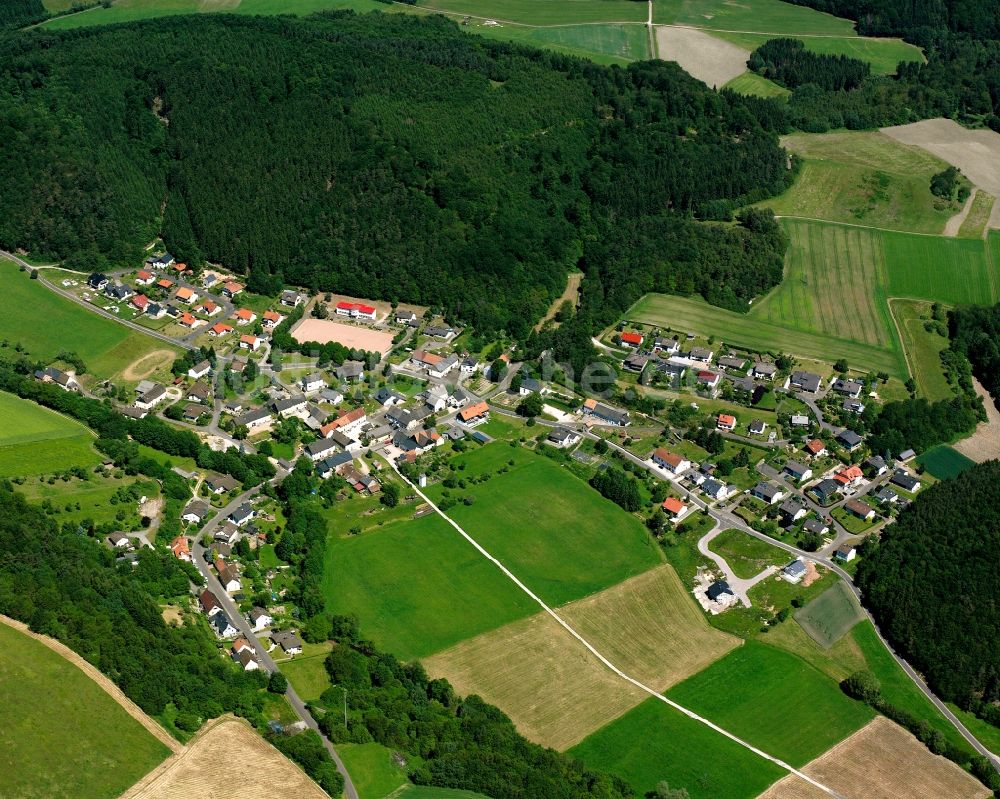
(64, 735)
(709, 59)
(882, 761)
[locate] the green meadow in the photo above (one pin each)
(556, 533)
(883, 55)
(757, 690)
(62, 736)
(752, 83)
(831, 615)
(35, 440)
(944, 462)
(611, 43)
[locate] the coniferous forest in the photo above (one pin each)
(386, 156)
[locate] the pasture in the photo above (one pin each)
(61, 735)
(944, 462)
(754, 84)
(606, 44)
(418, 587)
(95, 497)
(831, 615)
(544, 12)
(227, 758)
(308, 676)
(553, 689)
(883, 55)
(556, 533)
(654, 742)
(751, 691)
(747, 556)
(35, 440)
(373, 771)
(923, 348)
(954, 271)
(39, 319)
(882, 761)
(863, 178)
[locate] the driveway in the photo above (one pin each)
(739, 585)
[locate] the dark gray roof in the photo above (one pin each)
(826, 487)
(795, 468)
(334, 462)
(814, 526)
(316, 448)
(904, 480)
(717, 589)
(807, 381)
(849, 438)
(767, 491)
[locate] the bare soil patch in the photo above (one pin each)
(881, 761)
(323, 331)
(984, 443)
(147, 365)
(712, 60)
(102, 681)
(227, 758)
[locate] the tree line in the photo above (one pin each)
(788, 63)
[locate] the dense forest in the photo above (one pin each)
(975, 334)
(382, 155)
(960, 79)
(787, 62)
(931, 582)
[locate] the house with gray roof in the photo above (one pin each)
(805, 381)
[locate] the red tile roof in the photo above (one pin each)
(474, 411)
(632, 338)
(673, 505)
(815, 446)
(726, 419)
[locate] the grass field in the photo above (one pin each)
(606, 44)
(883, 55)
(944, 462)
(923, 348)
(418, 587)
(372, 769)
(974, 226)
(654, 742)
(863, 178)
(831, 615)
(35, 440)
(307, 675)
(39, 318)
(914, 269)
(428, 792)
(94, 497)
(545, 12)
(988, 735)
(756, 690)
(61, 735)
(752, 83)
(558, 535)
(746, 555)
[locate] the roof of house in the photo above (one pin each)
(220, 621)
(179, 546)
(859, 507)
(725, 418)
(287, 404)
(668, 457)
(334, 462)
(632, 338)
(359, 307)
(849, 474)
(197, 508)
(732, 362)
(815, 446)
(827, 486)
(349, 417)
(253, 415)
(849, 438)
(814, 526)
(350, 369)
(700, 354)
(757, 426)
(209, 601)
(766, 490)
(232, 287)
(184, 293)
(673, 505)
(286, 639)
(904, 479)
(765, 368)
(474, 411)
(272, 316)
(244, 314)
(717, 589)
(795, 568)
(429, 358)
(561, 434)
(221, 327)
(791, 506)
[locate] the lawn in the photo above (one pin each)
(897, 687)
(307, 674)
(654, 742)
(558, 535)
(61, 735)
(35, 440)
(752, 83)
(757, 689)
(372, 769)
(39, 319)
(863, 178)
(944, 462)
(174, 461)
(266, 557)
(747, 556)
(418, 587)
(988, 735)
(923, 348)
(95, 497)
(831, 615)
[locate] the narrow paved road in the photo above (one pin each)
(266, 661)
(740, 586)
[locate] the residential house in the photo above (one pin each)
(140, 302)
(331, 396)
(291, 299)
(192, 412)
(272, 319)
(852, 388)
(906, 455)
(405, 317)
(228, 576)
(155, 311)
(220, 329)
(797, 471)
(670, 461)
(674, 508)
(244, 316)
(351, 371)
(289, 642)
(720, 593)
(254, 419)
(726, 422)
(794, 571)
(860, 509)
(764, 370)
(246, 660)
(119, 292)
(800, 420)
(381, 435)
(905, 480)
(161, 261)
(459, 398)
(222, 626)
(355, 310)
(709, 381)
(700, 354)
(225, 536)
(529, 386)
(886, 496)
(293, 406)
(243, 514)
(187, 320)
(321, 449)
(251, 343)
(333, 464)
(220, 483)
(757, 427)
(209, 602)
(208, 308)
(631, 339)
(388, 398)
(231, 288)
(443, 367)
(469, 366)
(767, 492)
(346, 423)
(196, 512)
(826, 490)
(474, 415)
(164, 283)
(715, 489)
(563, 437)
(636, 362)
(849, 439)
(437, 397)
(64, 380)
(816, 448)
(260, 619)
(120, 541)
(421, 359)
(805, 381)
(144, 277)
(446, 333)
(845, 553)
(732, 362)
(181, 549)
(792, 509)
(209, 279)
(151, 398)
(200, 369)
(186, 295)
(312, 382)
(670, 346)
(98, 281)
(199, 392)
(850, 476)
(854, 406)
(673, 368)
(605, 413)
(816, 526)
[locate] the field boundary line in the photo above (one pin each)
(607, 663)
(855, 224)
(464, 14)
(899, 332)
(781, 35)
(101, 680)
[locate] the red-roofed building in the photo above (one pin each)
(675, 509)
(164, 283)
(179, 546)
(220, 329)
(144, 278)
(475, 414)
(632, 339)
(355, 310)
(209, 308)
(851, 476)
(186, 319)
(345, 423)
(244, 316)
(184, 294)
(140, 301)
(231, 289)
(726, 422)
(272, 319)
(671, 461)
(251, 343)
(816, 448)
(709, 379)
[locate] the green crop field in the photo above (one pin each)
(746, 555)
(883, 55)
(897, 687)
(62, 736)
(418, 587)
(923, 347)
(954, 271)
(41, 320)
(545, 12)
(35, 440)
(944, 462)
(654, 742)
(756, 689)
(864, 178)
(752, 83)
(830, 615)
(558, 535)
(606, 44)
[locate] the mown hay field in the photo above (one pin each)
(882, 761)
(35, 440)
(610, 43)
(61, 735)
(753, 84)
(923, 347)
(830, 615)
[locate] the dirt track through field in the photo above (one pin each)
(102, 681)
(881, 761)
(571, 293)
(225, 760)
(147, 365)
(709, 59)
(984, 443)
